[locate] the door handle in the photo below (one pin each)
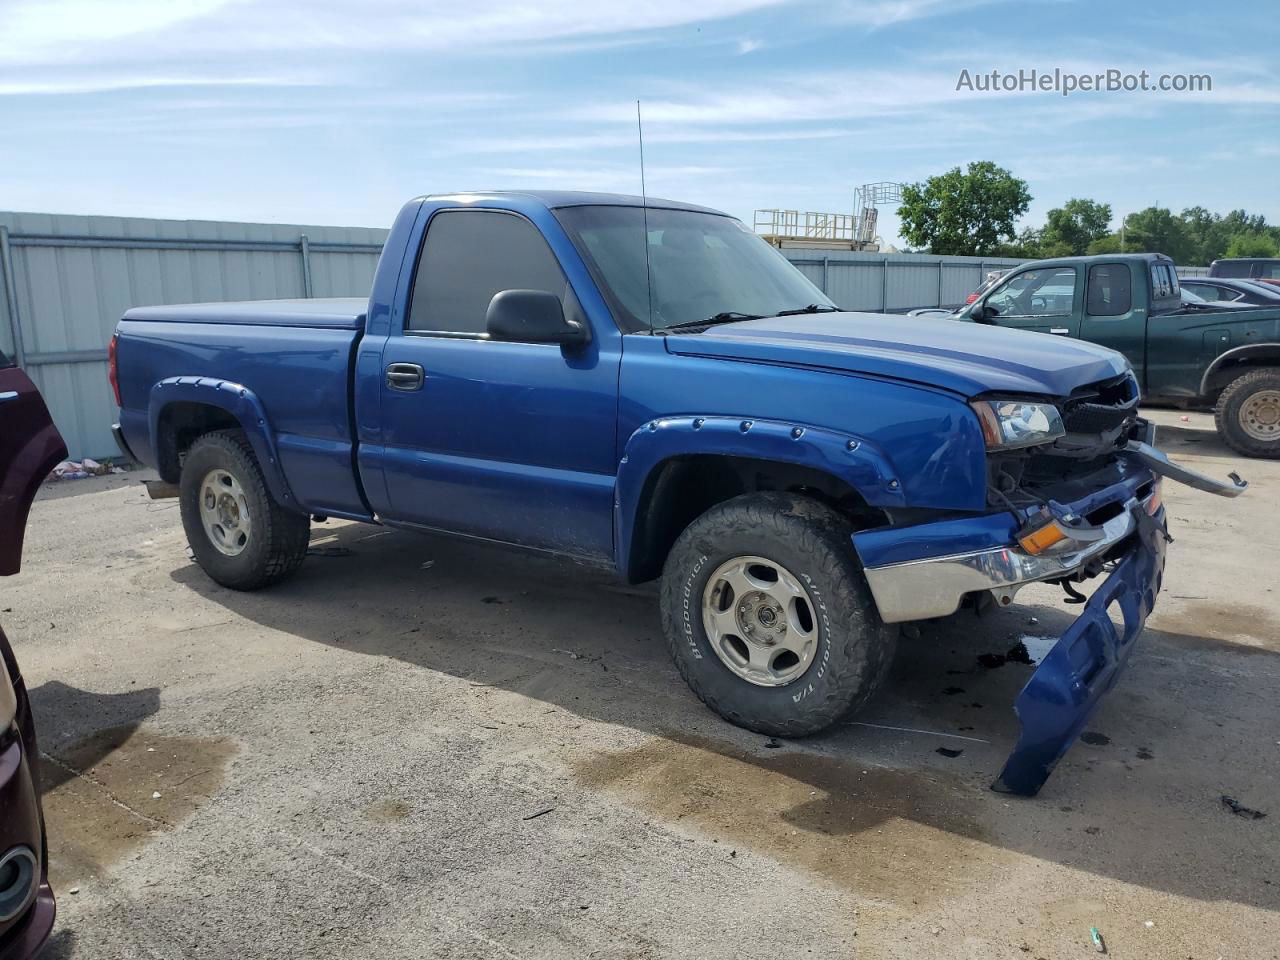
(8, 395)
(1061, 331)
(405, 376)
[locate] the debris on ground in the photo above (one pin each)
(540, 813)
(79, 469)
(1240, 810)
(948, 752)
(1095, 739)
(1096, 937)
(427, 565)
(772, 744)
(330, 552)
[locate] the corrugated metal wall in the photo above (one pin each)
(72, 278)
(893, 281)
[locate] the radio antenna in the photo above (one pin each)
(644, 208)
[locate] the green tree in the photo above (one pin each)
(1070, 228)
(963, 212)
(1157, 230)
(1257, 244)
(1206, 234)
(1028, 246)
(1108, 244)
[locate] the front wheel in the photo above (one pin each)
(240, 536)
(769, 618)
(1248, 413)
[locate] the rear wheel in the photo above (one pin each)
(769, 618)
(240, 536)
(1248, 413)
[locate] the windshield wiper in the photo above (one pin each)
(811, 308)
(728, 316)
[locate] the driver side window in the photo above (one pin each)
(1036, 293)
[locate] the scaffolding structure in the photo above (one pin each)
(851, 231)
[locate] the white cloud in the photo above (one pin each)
(67, 31)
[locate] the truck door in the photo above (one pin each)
(1042, 299)
(506, 441)
(1113, 316)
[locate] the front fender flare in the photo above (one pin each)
(240, 402)
(851, 458)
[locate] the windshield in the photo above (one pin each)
(702, 265)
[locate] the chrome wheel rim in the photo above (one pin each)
(1260, 415)
(224, 511)
(760, 621)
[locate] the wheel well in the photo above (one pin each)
(681, 489)
(1267, 355)
(179, 426)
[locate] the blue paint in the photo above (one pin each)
(943, 538)
(1082, 667)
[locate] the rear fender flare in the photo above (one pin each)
(1246, 351)
(851, 458)
(240, 402)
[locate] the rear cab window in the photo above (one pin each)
(1110, 293)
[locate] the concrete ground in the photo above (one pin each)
(418, 748)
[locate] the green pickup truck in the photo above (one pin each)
(1184, 353)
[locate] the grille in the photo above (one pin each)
(1101, 407)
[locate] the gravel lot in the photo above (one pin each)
(418, 748)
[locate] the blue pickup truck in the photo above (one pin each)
(650, 387)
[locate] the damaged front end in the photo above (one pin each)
(1063, 512)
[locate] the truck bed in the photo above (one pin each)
(293, 356)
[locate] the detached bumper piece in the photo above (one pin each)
(1158, 463)
(1065, 690)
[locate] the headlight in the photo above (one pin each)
(8, 701)
(1017, 423)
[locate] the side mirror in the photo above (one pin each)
(981, 313)
(532, 316)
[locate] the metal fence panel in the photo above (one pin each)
(71, 277)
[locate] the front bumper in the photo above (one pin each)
(924, 571)
(934, 586)
(1083, 665)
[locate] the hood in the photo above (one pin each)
(966, 358)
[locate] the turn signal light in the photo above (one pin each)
(1037, 541)
(1154, 502)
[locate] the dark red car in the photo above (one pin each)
(30, 446)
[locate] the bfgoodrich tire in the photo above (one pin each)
(769, 618)
(240, 536)
(1248, 413)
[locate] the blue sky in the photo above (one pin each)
(336, 112)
